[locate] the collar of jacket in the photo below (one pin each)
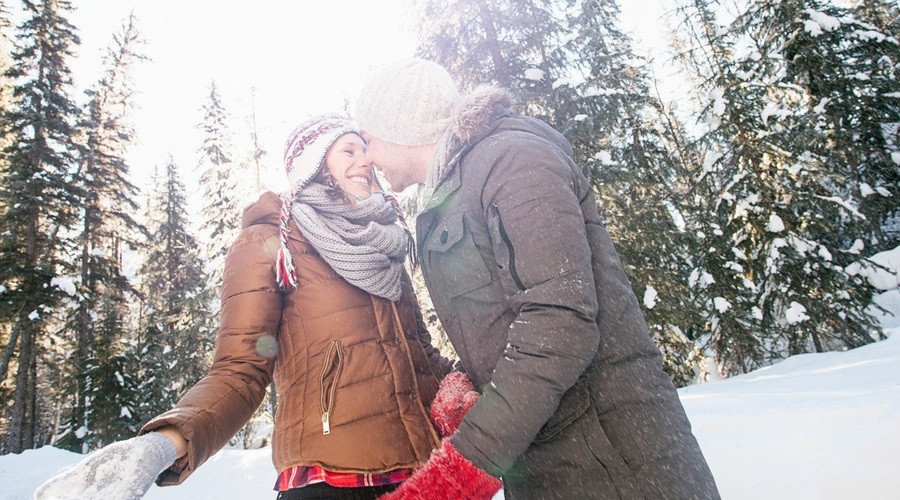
(466, 140)
(477, 116)
(448, 184)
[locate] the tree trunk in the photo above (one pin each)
(20, 435)
(8, 352)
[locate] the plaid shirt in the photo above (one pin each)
(300, 476)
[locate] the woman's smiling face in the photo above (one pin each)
(347, 164)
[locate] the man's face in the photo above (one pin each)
(396, 162)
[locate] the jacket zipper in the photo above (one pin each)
(509, 247)
(333, 357)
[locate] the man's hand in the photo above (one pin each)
(124, 470)
(447, 476)
(455, 396)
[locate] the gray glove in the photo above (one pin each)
(124, 470)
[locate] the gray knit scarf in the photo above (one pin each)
(360, 241)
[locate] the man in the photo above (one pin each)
(527, 283)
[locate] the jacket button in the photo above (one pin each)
(444, 235)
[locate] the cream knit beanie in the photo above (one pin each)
(408, 102)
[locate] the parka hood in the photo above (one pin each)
(477, 112)
(486, 110)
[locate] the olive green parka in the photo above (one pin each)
(528, 285)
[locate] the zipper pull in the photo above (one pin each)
(326, 426)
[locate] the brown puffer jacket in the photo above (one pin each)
(354, 372)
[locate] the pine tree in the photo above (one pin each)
(176, 341)
(253, 162)
(570, 64)
(851, 70)
(107, 229)
(223, 184)
(6, 44)
(110, 375)
(773, 266)
(620, 132)
(5, 105)
(704, 50)
(40, 196)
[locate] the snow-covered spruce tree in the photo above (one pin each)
(250, 187)
(704, 51)
(507, 43)
(6, 47)
(230, 181)
(6, 100)
(620, 133)
(773, 266)
(41, 197)
(111, 375)
(570, 64)
(150, 344)
(6, 35)
(175, 343)
(850, 67)
(5, 105)
(224, 183)
(107, 229)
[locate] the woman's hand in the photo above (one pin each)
(124, 470)
(455, 396)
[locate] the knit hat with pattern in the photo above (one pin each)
(408, 102)
(304, 156)
(304, 151)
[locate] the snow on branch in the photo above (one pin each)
(846, 204)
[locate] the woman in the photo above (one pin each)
(315, 297)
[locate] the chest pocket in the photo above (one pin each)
(455, 258)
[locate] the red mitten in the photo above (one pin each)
(447, 476)
(455, 396)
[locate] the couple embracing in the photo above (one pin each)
(558, 391)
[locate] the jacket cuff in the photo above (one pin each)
(181, 469)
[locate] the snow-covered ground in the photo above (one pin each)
(815, 426)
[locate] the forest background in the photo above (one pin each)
(749, 176)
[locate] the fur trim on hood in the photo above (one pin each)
(477, 110)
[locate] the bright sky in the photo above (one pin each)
(297, 58)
